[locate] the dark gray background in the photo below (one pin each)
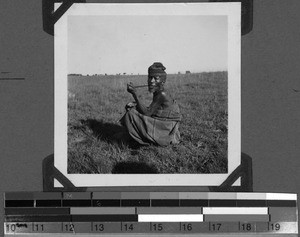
(270, 96)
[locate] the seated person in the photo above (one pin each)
(157, 124)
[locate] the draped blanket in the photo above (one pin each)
(162, 130)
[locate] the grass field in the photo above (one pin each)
(96, 103)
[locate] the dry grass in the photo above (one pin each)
(96, 103)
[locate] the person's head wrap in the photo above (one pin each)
(157, 69)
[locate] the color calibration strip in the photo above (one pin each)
(150, 212)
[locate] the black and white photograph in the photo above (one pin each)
(148, 90)
(159, 118)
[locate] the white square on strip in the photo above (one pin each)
(170, 218)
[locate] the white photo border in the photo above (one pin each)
(231, 10)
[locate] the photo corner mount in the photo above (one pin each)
(50, 17)
(243, 171)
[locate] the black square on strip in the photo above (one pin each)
(76, 203)
(281, 203)
(251, 203)
(222, 203)
(104, 218)
(19, 203)
(48, 203)
(38, 218)
(36, 211)
(193, 203)
(135, 203)
(165, 202)
(106, 203)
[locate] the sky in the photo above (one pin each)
(130, 44)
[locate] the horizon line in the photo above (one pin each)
(134, 74)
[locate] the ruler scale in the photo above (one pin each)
(199, 213)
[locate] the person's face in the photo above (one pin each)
(154, 83)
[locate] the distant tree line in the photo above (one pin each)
(117, 74)
(74, 74)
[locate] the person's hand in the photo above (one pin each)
(131, 89)
(130, 105)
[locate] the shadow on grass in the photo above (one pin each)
(103, 130)
(110, 132)
(134, 167)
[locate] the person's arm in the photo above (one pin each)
(148, 111)
(139, 105)
(141, 108)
